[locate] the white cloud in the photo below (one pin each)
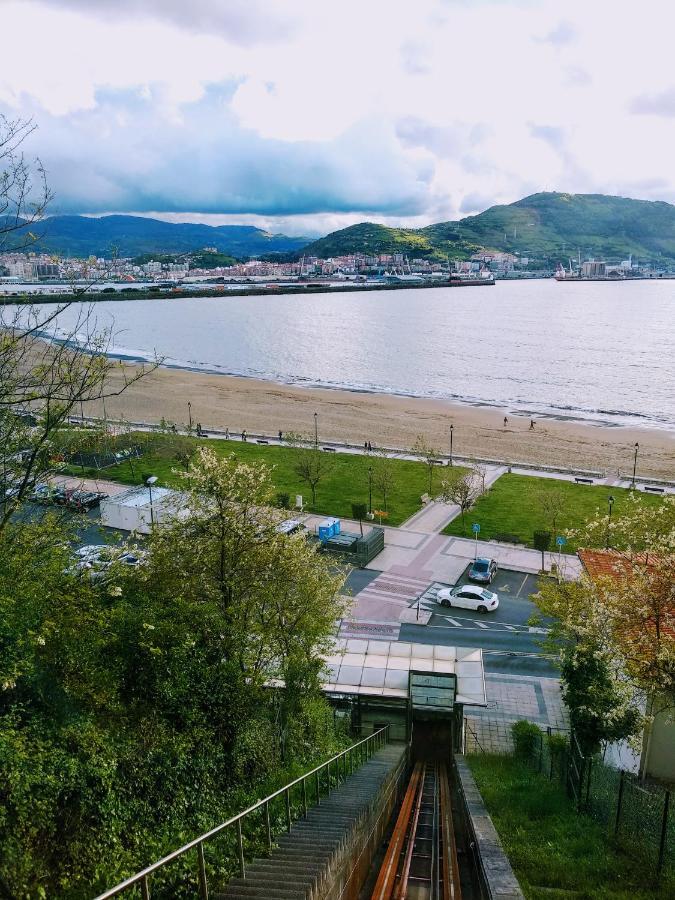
(299, 109)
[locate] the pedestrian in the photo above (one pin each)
(281, 435)
(370, 447)
(227, 434)
(174, 429)
(365, 446)
(531, 424)
(199, 429)
(506, 421)
(243, 434)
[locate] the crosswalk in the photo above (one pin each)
(397, 589)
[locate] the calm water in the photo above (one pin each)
(598, 351)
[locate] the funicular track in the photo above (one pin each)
(421, 859)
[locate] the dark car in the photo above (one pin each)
(483, 570)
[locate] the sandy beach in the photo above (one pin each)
(220, 401)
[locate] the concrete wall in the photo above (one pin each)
(493, 869)
(659, 740)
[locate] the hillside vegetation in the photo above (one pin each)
(550, 225)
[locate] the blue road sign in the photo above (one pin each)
(475, 527)
(561, 541)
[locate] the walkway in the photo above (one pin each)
(306, 856)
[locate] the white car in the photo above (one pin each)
(468, 596)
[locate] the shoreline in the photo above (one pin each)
(239, 402)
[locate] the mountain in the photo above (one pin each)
(550, 225)
(136, 235)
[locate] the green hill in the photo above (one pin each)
(549, 225)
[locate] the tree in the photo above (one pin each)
(311, 464)
(42, 383)
(384, 475)
(552, 503)
(136, 710)
(359, 512)
(542, 541)
(461, 489)
(429, 455)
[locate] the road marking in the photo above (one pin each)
(482, 625)
(522, 586)
(508, 627)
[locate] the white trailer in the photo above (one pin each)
(137, 508)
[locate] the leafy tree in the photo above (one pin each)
(359, 512)
(384, 475)
(429, 455)
(552, 503)
(542, 541)
(461, 489)
(311, 464)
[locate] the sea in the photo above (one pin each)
(599, 352)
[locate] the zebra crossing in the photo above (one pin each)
(398, 589)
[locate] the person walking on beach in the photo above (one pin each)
(243, 435)
(506, 421)
(281, 435)
(531, 424)
(227, 434)
(370, 447)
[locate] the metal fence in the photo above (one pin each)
(638, 814)
(222, 852)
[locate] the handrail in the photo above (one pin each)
(374, 741)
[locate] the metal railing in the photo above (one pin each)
(343, 764)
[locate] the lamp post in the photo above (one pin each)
(610, 503)
(189, 416)
(452, 428)
(316, 431)
(637, 447)
(150, 481)
(370, 490)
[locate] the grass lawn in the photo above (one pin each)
(557, 853)
(347, 481)
(513, 506)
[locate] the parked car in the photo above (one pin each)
(483, 570)
(468, 596)
(95, 559)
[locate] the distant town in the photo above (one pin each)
(46, 273)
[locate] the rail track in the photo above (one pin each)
(421, 858)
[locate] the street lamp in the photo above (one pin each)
(150, 481)
(610, 503)
(316, 431)
(452, 428)
(189, 416)
(637, 447)
(370, 490)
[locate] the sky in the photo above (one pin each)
(303, 116)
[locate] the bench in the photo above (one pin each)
(581, 480)
(652, 488)
(329, 449)
(262, 441)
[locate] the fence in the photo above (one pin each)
(248, 834)
(638, 815)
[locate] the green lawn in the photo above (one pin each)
(347, 481)
(557, 853)
(513, 506)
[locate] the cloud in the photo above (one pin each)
(442, 140)
(661, 104)
(243, 22)
(475, 203)
(126, 155)
(562, 35)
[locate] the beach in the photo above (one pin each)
(221, 401)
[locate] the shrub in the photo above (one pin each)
(526, 738)
(283, 500)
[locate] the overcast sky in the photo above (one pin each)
(308, 115)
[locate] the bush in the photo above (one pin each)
(557, 743)
(283, 500)
(507, 537)
(526, 738)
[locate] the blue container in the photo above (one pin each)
(328, 529)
